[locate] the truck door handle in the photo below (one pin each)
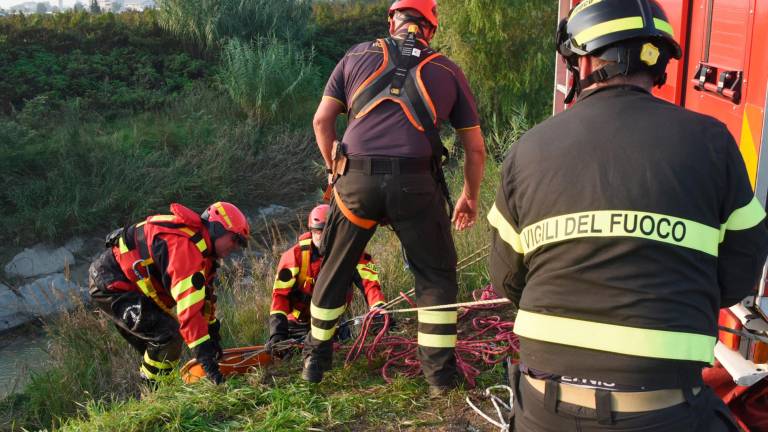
(726, 83)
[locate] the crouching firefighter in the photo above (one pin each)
(397, 92)
(295, 281)
(154, 281)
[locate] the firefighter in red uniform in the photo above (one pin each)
(295, 281)
(155, 282)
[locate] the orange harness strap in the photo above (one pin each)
(357, 220)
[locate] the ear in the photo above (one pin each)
(585, 67)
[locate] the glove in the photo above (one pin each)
(274, 340)
(206, 356)
(214, 330)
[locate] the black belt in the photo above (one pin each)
(371, 166)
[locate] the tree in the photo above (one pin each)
(79, 6)
(42, 8)
(95, 7)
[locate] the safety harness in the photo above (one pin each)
(398, 79)
(134, 238)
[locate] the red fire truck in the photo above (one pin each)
(723, 73)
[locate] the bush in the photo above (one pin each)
(269, 78)
(208, 24)
(505, 49)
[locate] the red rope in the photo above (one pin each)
(490, 342)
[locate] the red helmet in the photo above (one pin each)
(318, 217)
(230, 218)
(427, 9)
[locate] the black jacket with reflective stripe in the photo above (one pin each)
(628, 211)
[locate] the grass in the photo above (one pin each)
(92, 382)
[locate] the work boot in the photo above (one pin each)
(313, 369)
(437, 391)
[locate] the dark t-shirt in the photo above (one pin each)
(386, 131)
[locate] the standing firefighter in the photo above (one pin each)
(622, 225)
(295, 281)
(396, 93)
(154, 282)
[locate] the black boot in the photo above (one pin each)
(314, 368)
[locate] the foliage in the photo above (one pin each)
(113, 63)
(268, 78)
(505, 49)
(340, 25)
(208, 24)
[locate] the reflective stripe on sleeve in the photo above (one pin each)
(283, 284)
(278, 312)
(437, 317)
(621, 223)
(326, 314)
(436, 340)
(199, 341)
(182, 286)
(745, 217)
(506, 232)
(190, 300)
(613, 338)
(367, 273)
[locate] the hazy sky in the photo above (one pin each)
(9, 3)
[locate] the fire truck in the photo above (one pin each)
(723, 73)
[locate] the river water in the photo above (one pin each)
(22, 351)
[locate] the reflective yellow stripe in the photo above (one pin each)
(366, 273)
(199, 341)
(181, 287)
(162, 218)
(437, 317)
(190, 300)
(608, 27)
(201, 245)
(622, 223)
(618, 339)
(377, 304)
(581, 6)
(326, 314)
(157, 364)
(187, 231)
(283, 285)
(277, 312)
(123, 247)
(506, 232)
(147, 374)
(664, 26)
(436, 340)
(322, 334)
(745, 217)
(296, 313)
(224, 214)
(305, 242)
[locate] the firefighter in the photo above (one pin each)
(621, 227)
(296, 274)
(396, 93)
(154, 281)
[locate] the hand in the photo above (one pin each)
(275, 339)
(465, 212)
(214, 330)
(330, 178)
(206, 354)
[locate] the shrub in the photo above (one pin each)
(208, 24)
(505, 49)
(268, 78)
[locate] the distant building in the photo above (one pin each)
(138, 5)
